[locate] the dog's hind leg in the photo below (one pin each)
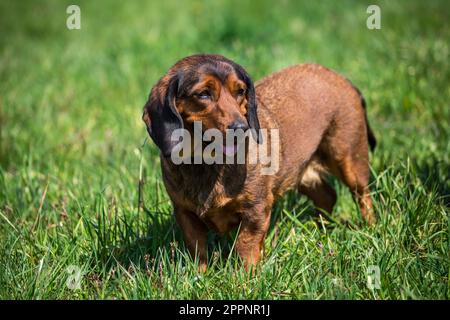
(317, 189)
(351, 166)
(354, 172)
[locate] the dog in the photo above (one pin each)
(323, 129)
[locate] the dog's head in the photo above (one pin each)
(207, 88)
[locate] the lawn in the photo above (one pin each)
(75, 160)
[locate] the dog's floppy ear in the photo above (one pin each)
(252, 115)
(161, 115)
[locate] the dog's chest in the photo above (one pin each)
(206, 200)
(214, 194)
(218, 210)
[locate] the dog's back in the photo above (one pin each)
(322, 126)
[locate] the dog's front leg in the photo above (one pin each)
(195, 235)
(252, 232)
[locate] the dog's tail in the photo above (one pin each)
(370, 136)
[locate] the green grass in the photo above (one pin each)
(73, 146)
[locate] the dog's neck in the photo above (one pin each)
(208, 174)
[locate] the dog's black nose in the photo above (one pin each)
(238, 125)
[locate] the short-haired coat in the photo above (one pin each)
(322, 126)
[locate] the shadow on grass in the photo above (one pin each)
(434, 175)
(153, 235)
(161, 235)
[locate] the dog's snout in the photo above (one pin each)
(238, 125)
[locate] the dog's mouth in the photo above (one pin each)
(227, 148)
(230, 150)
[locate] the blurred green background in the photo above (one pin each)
(73, 146)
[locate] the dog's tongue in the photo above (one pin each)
(229, 150)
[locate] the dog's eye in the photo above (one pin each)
(203, 95)
(240, 92)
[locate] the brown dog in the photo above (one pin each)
(322, 129)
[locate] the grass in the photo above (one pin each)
(73, 147)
